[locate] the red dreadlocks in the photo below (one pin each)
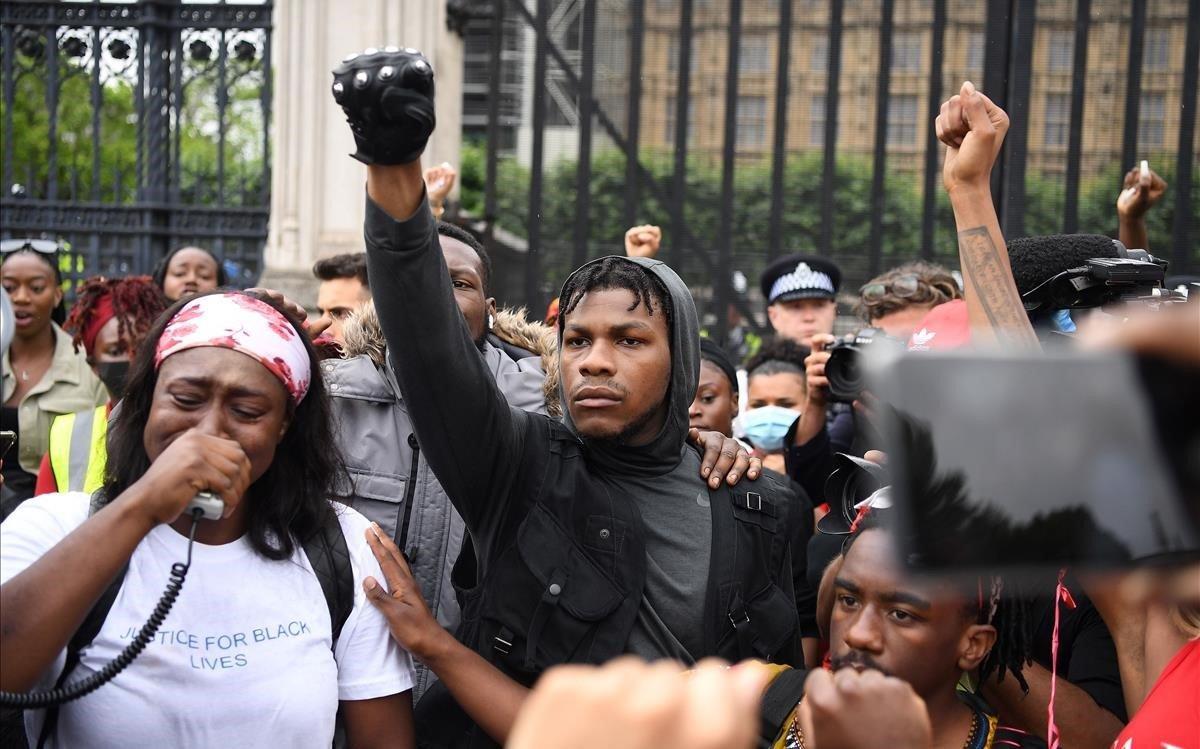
(136, 301)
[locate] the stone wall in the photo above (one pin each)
(316, 188)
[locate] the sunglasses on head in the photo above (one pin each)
(44, 246)
(904, 287)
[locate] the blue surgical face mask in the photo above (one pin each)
(766, 427)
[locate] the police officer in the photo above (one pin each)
(800, 291)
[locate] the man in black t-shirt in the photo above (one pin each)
(1088, 699)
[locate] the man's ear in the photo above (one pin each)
(772, 313)
(491, 305)
(976, 643)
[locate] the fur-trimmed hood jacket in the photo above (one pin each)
(391, 483)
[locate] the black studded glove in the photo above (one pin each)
(387, 96)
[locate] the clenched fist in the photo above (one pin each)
(1140, 191)
(387, 96)
(973, 129)
(643, 241)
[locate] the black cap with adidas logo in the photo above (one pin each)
(800, 277)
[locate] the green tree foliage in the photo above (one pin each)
(1098, 212)
(75, 136)
(801, 224)
(76, 139)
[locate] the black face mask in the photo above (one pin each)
(113, 374)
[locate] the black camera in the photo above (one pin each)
(844, 370)
(852, 482)
(1081, 271)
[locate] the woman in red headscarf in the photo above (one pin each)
(110, 319)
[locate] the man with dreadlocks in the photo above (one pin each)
(109, 320)
(927, 633)
(592, 536)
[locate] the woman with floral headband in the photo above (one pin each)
(225, 397)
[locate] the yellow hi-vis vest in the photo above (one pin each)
(77, 450)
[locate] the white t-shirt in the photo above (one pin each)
(243, 659)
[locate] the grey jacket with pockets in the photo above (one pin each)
(376, 439)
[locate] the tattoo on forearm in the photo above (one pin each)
(992, 284)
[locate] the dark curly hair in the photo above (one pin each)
(778, 356)
(137, 302)
(616, 273)
(290, 502)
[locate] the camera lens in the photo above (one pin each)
(844, 372)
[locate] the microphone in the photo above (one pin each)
(1036, 260)
(210, 506)
(1079, 271)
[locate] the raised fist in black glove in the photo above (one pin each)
(387, 96)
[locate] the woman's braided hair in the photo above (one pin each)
(781, 355)
(137, 302)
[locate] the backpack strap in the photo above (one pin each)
(779, 701)
(330, 559)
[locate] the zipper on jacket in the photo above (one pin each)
(409, 491)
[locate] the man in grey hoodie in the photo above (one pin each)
(595, 535)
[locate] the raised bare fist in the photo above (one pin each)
(387, 95)
(1139, 192)
(643, 241)
(973, 129)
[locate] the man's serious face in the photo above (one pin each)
(800, 319)
(616, 367)
(885, 620)
(466, 276)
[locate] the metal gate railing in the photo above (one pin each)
(753, 128)
(133, 128)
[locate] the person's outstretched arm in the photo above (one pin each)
(47, 592)
(1140, 190)
(466, 429)
(486, 694)
(973, 129)
(1081, 721)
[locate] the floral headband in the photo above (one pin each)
(242, 323)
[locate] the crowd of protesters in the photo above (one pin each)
(442, 524)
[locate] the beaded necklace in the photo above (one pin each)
(795, 734)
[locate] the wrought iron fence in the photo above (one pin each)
(134, 128)
(753, 128)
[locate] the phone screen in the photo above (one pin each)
(6, 441)
(1030, 463)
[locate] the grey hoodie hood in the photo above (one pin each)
(662, 453)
